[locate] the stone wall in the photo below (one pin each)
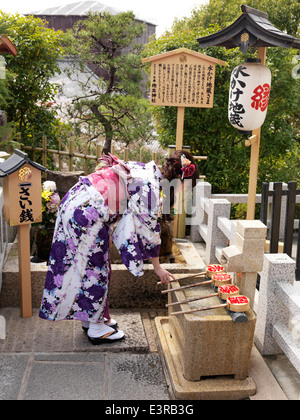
(64, 180)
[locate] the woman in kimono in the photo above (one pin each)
(79, 267)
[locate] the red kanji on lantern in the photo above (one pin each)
(261, 97)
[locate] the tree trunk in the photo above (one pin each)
(107, 145)
(107, 128)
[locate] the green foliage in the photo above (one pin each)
(208, 131)
(4, 74)
(111, 104)
(29, 87)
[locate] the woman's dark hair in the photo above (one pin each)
(172, 169)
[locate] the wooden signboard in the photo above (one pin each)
(22, 191)
(22, 196)
(182, 78)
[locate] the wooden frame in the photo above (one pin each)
(6, 46)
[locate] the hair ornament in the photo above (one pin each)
(187, 167)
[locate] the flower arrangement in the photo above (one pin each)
(50, 203)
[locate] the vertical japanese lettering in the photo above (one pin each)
(237, 86)
(25, 204)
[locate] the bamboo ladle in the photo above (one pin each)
(223, 293)
(201, 274)
(209, 270)
(218, 279)
(234, 303)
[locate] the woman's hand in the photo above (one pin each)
(163, 274)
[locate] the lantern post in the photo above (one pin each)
(254, 143)
(251, 29)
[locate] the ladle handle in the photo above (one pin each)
(187, 277)
(187, 286)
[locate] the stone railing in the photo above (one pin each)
(277, 304)
(211, 220)
(278, 310)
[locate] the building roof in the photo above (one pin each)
(15, 162)
(80, 8)
(251, 29)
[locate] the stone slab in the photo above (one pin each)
(2, 328)
(253, 247)
(82, 376)
(12, 369)
(267, 387)
(67, 380)
(234, 260)
(214, 388)
(37, 335)
(253, 229)
(137, 377)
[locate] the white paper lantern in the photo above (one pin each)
(249, 94)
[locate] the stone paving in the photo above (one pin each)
(41, 360)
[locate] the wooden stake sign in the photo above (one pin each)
(22, 206)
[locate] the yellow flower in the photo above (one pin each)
(46, 195)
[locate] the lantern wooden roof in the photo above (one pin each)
(15, 162)
(251, 29)
(6, 46)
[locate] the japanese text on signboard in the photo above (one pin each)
(24, 199)
(183, 81)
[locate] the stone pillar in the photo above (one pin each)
(246, 257)
(2, 328)
(201, 192)
(277, 268)
(218, 207)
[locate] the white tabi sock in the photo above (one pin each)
(98, 330)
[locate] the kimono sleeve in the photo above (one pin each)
(137, 236)
(136, 242)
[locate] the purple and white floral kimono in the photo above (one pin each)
(79, 265)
